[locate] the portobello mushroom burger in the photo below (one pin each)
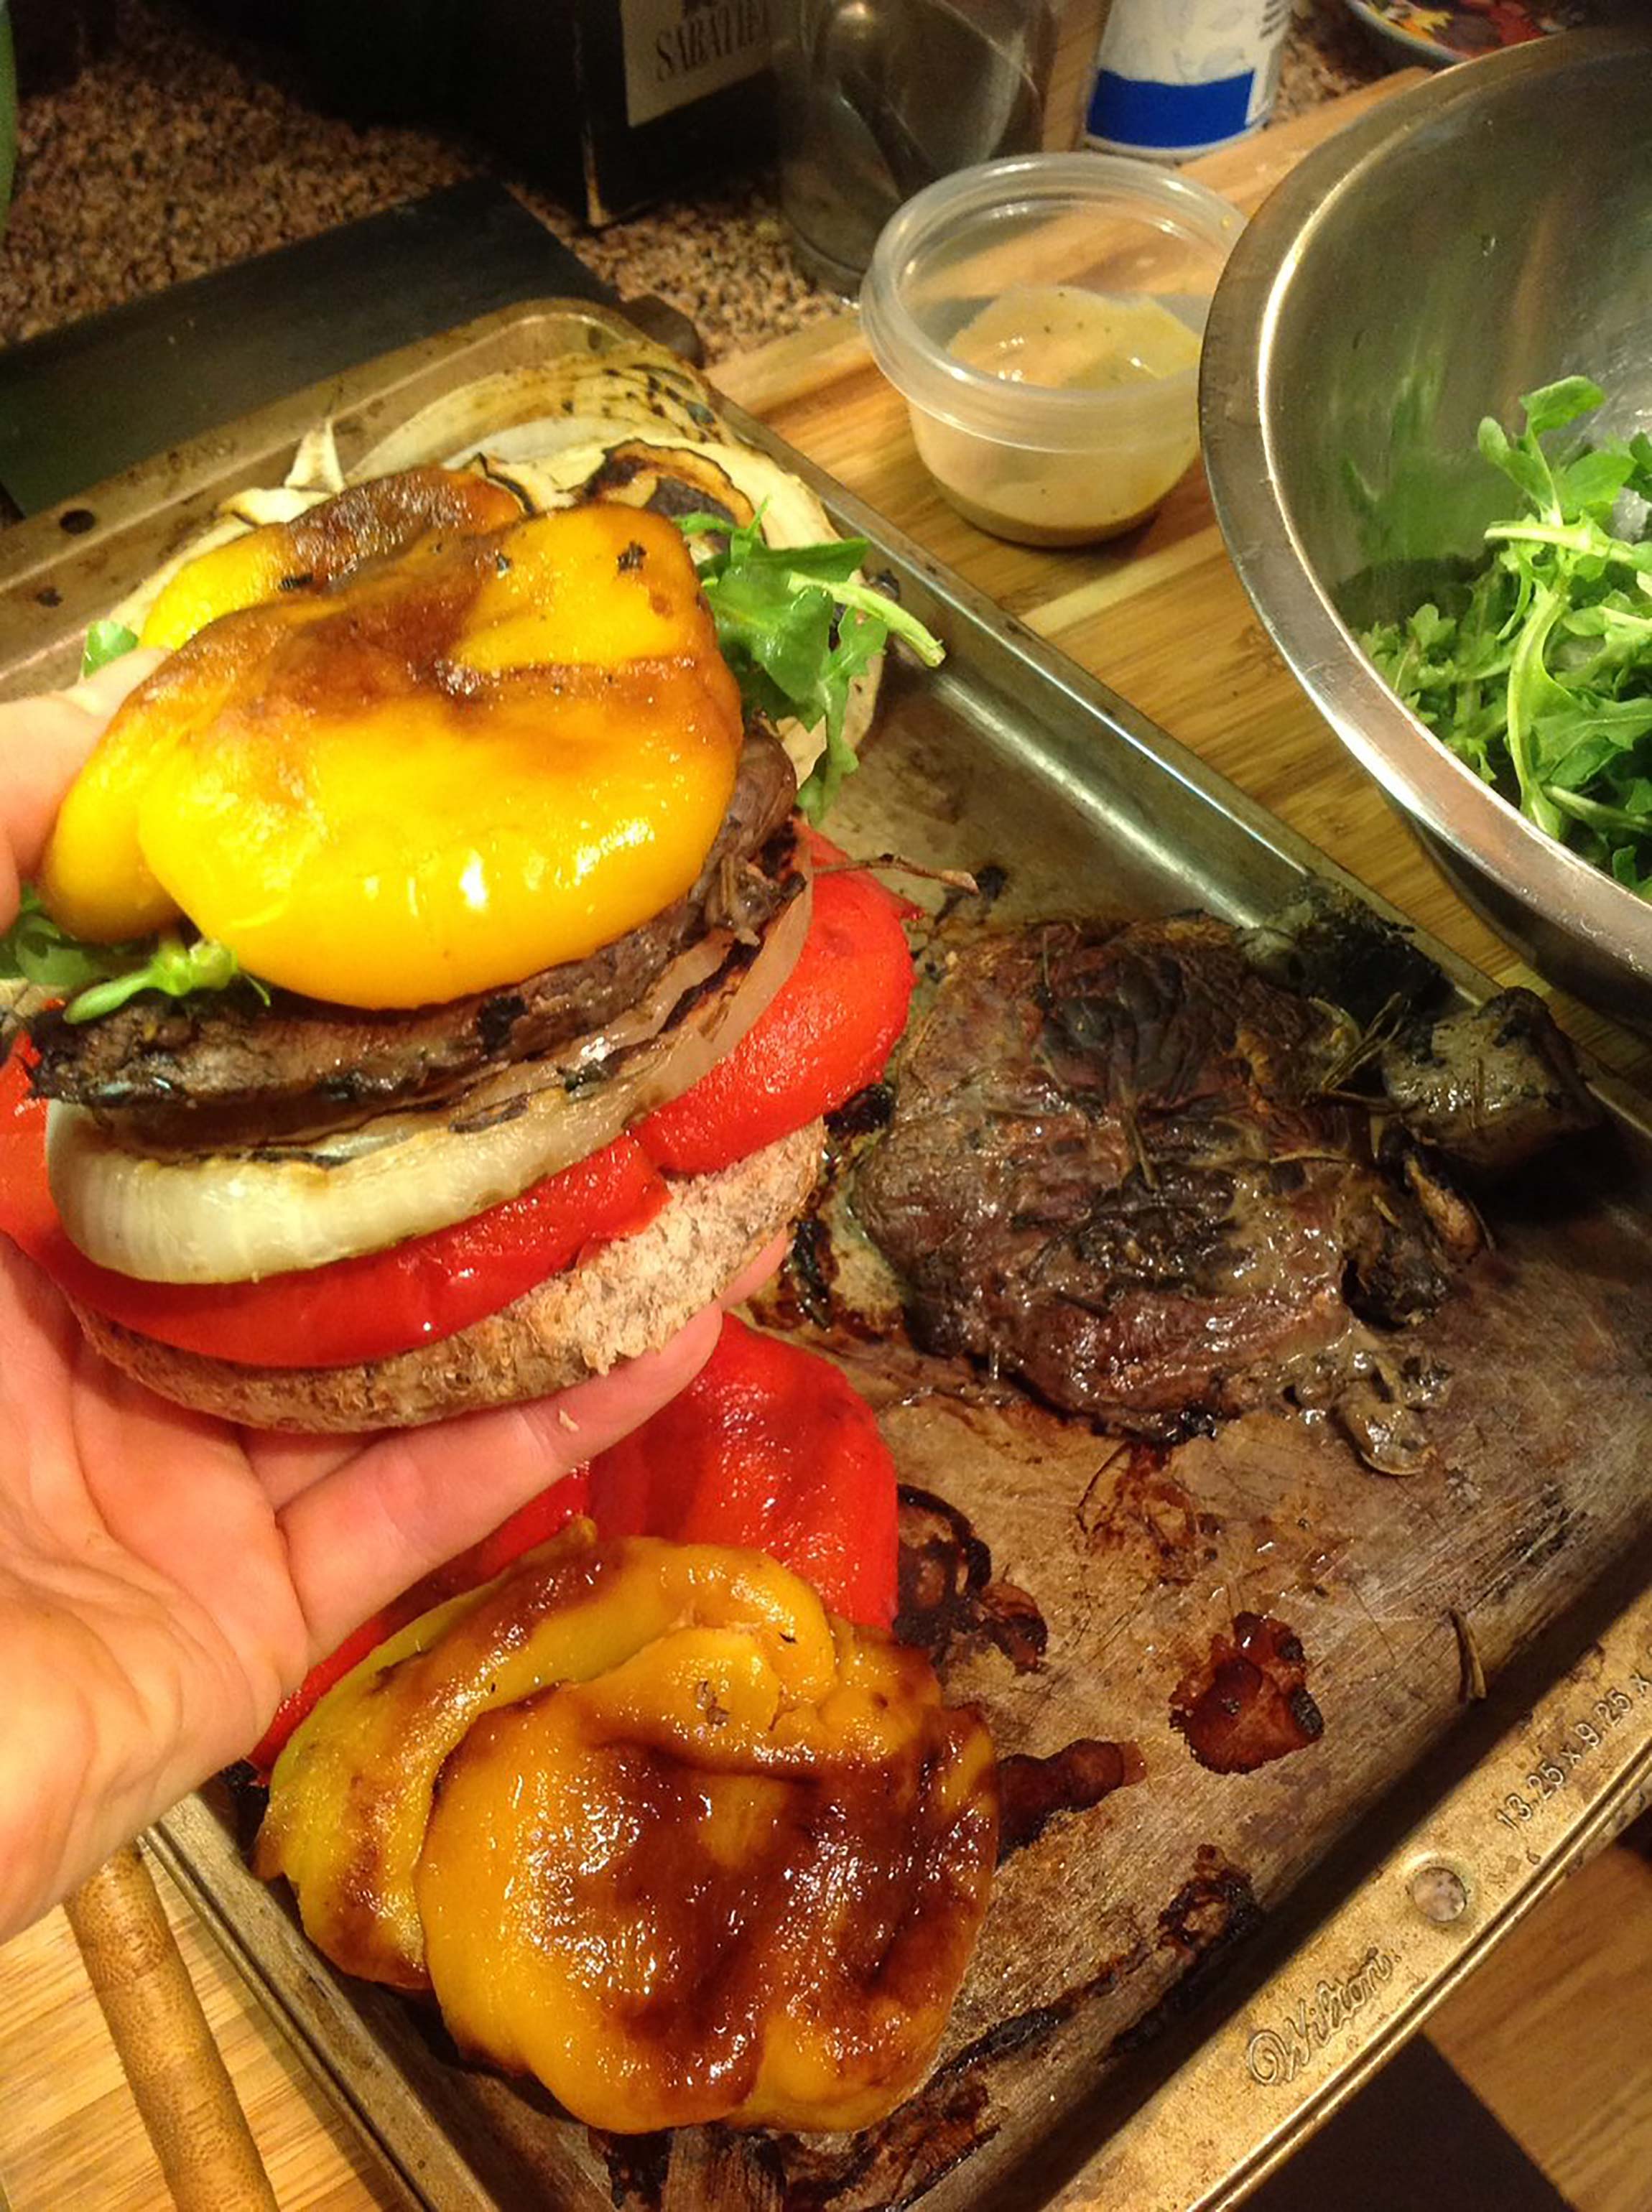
(430, 1001)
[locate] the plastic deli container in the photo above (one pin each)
(1042, 318)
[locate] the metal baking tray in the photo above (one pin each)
(1096, 2055)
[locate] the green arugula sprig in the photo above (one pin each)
(96, 979)
(106, 642)
(1538, 672)
(797, 626)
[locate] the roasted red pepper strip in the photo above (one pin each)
(826, 1034)
(382, 1303)
(768, 1448)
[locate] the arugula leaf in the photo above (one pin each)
(1538, 672)
(96, 979)
(106, 642)
(797, 626)
(1530, 471)
(1552, 406)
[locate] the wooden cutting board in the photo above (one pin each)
(1160, 616)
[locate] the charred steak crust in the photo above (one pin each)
(165, 1064)
(1112, 1171)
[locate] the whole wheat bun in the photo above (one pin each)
(627, 1298)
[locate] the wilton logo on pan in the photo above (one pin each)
(1278, 2055)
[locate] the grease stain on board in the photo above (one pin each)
(947, 1594)
(1033, 1792)
(1133, 1502)
(1248, 1703)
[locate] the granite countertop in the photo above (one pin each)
(177, 150)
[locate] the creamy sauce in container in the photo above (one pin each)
(1059, 337)
(1042, 318)
(1069, 340)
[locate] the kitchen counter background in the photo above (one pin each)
(178, 149)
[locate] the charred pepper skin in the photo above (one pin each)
(561, 738)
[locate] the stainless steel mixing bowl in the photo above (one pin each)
(1483, 234)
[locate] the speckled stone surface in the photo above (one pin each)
(178, 151)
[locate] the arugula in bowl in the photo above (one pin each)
(1537, 671)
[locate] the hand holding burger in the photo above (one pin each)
(168, 1577)
(444, 1015)
(447, 1011)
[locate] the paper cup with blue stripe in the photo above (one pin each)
(1179, 77)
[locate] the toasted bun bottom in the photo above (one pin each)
(627, 1298)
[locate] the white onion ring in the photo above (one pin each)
(236, 1217)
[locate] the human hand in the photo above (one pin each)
(43, 742)
(164, 1578)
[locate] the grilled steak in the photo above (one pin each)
(1112, 1171)
(1325, 943)
(173, 1068)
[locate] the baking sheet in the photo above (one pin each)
(1536, 1520)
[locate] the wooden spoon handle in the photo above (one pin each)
(181, 2086)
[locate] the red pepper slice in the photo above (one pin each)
(769, 1447)
(416, 1292)
(825, 1035)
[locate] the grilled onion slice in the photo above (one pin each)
(228, 1217)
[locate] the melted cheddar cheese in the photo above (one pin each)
(396, 777)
